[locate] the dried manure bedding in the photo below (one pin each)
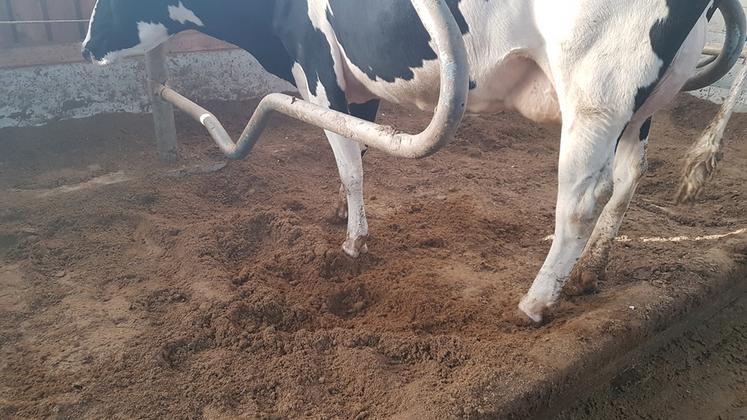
(133, 289)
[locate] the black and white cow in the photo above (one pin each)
(600, 67)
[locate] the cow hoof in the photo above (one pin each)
(342, 212)
(530, 313)
(520, 319)
(355, 247)
(582, 282)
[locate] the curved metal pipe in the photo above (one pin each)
(706, 61)
(735, 25)
(452, 56)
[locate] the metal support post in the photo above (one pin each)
(163, 111)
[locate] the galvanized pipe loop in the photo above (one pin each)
(454, 67)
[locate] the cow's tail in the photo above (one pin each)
(710, 71)
(704, 155)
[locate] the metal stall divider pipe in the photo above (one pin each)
(163, 111)
(452, 55)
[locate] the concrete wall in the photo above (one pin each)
(40, 94)
(718, 91)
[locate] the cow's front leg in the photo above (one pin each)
(341, 209)
(585, 185)
(630, 165)
(347, 152)
(366, 111)
(350, 165)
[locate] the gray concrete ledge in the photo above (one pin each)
(35, 96)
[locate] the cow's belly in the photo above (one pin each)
(519, 84)
(515, 83)
(388, 54)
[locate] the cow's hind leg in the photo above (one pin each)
(630, 166)
(584, 187)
